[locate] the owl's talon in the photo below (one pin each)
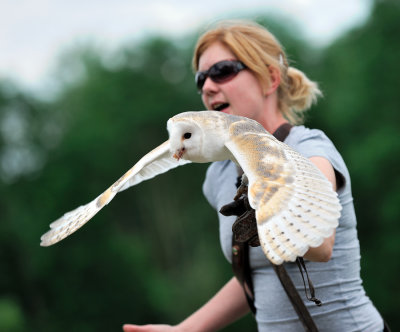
(235, 208)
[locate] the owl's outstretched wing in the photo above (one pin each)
(157, 161)
(296, 207)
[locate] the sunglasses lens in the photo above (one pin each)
(200, 79)
(223, 71)
(220, 72)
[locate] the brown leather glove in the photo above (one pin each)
(245, 227)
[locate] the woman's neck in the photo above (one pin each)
(272, 117)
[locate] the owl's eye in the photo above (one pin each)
(187, 135)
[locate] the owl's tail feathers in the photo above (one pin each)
(69, 223)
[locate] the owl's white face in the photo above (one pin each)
(186, 140)
(191, 140)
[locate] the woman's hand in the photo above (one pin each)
(223, 308)
(149, 328)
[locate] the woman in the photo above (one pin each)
(242, 70)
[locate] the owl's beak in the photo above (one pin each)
(179, 153)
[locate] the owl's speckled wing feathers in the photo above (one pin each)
(295, 205)
(157, 161)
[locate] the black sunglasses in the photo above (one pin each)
(219, 72)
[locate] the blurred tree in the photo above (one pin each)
(359, 76)
(144, 251)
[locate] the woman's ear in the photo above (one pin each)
(274, 79)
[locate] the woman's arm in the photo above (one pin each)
(323, 253)
(228, 305)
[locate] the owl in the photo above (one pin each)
(296, 207)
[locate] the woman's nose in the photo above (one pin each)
(209, 86)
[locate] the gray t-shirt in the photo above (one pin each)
(337, 283)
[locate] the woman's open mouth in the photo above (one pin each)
(220, 106)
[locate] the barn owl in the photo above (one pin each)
(296, 207)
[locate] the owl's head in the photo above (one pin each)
(193, 136)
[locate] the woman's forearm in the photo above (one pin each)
(323, 253)
(228, 305)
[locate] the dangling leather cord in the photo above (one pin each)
(311, 297)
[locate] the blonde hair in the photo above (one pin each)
(258, 49)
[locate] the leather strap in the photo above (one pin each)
(295, 299)
(242, 271)
(282, 131)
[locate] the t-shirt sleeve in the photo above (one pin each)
(314, 143)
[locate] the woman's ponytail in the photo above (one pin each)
(297, 94)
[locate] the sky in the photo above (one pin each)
(34, 32)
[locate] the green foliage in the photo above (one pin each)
(11, 316)
(153, 254)
(360, 74)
